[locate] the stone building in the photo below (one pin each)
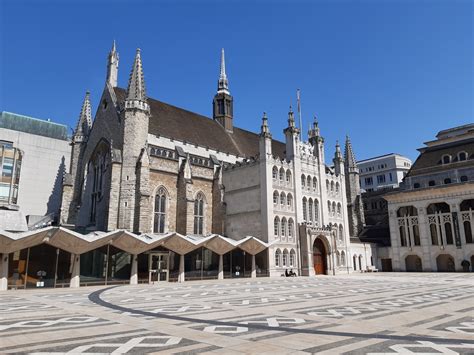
(155, 187)
(431, 216)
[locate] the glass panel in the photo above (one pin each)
(210, 264)
(119, 266)
(63, 273)
(468, 231)
(193, 265)
(434, 234)
(416, 235)
(17, 268)
(41, 266)
(449, 233)
(261, 263)
(93, 267)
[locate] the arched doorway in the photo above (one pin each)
(445, 263)
(413, 263)
(319, 257)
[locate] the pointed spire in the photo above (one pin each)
(223, 84)
(314, 131)
(112, 66)
(84, 124)
(265, 130)
(291, 118)
(136, 83)
(349, 156)
(338, 153)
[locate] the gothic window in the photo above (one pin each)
(343, 258)
(285, 258)
(277, 258)
(310, 210)
(327, 185)
(316, 211)
(282, 175)
(288, 177)
(341, 233)
(467, 216)
(290, 228)
(416, 235)
(332, 186)
(403, 237)
(468, 231)
(462, 156)
(303, 181)
(160, 211)
(283, 227)
(338, 258)
(276, 227)
(308, 183)
(97, 168)
(329, 207)
(315, 184)
(275, 173)
(275, 198)
(289, 201)
(337, 188)
(449, 233)
(339, 210)
(220, 103)
(199, 214)
(334, 208)
(434, 234)
(292, 258)
(360, 262)
(283, 200)
(439, 220)
(305, 216)
(446, 159)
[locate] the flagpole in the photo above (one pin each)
(299, 113)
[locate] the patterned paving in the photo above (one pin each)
(358, 314)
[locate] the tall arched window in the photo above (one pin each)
(316, 211)
(285, 258)
(332, 186)
(275, 173)
(275, 197)
(329, 207)
(407, 217)
(303, 181)
(292, 257)
(467, 216)
(338, 258)
(310, 210)
(315, 184)
(327, 185)
(343, 258)
(199, 214)
(289, 201)
(283, 227)
(160, 211)
(276, 226)
(282, 200)
(282, 175)
(341, 233)
(290, 228)
(305, 214)
(278, 258)
(440, 222)
(308, 182)
(339, 210)
(334, 208)
(288, 177)
(337, 187)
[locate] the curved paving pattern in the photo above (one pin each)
(360, 313)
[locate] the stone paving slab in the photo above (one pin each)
(389, 313)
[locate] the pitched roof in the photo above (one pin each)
(176, 123)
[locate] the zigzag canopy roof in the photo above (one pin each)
(77, 243)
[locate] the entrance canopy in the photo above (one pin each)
(77, 243)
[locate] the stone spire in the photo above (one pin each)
(84, 124)
(291, 118)
(314, 131)
(349, 157)
(223, 84)
(265, 130)
(338, 153)
(112, 66)
(136, 93)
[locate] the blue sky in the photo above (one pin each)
(391, 74)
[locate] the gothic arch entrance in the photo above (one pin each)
(319, 257)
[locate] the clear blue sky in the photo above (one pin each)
(391, 74)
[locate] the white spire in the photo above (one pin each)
(112, 66)
(223, 84)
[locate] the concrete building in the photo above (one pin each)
(161, 193)
(431, 216)
(386, 171)
(30, 145)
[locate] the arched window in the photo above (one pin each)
(416, 235)
(338, 258)
(275, 197)
(337, 188)
(334, 208)
(283, 227)
(403, 237)
(282, 200)
(285, 258)
(339, 209)
(199, 214)
(407, 217)
(446, 159)
(278, 258)
(316, 210)
(434, 234)
(315, 184)
(462, 156)
(343, 258)
(290, 228)
(354, 262)
(288, 177)
(440, 222)
(305, 215)
(292, 257)
(276, 226)
(329, 207)
(160, 211)
(275, 173)
(282, 175)
(289, 201)
(310, 210)
(468, 231)
(332, 186)
(360, 262)
(308, 182)
(449, 233)
(327, 185)
(303, 181)
(463, 178)
(341, 233)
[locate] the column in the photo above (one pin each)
(254, 269)
(134, 272)
(76, 271)
(4, 272)
(220, 275)
(181, 268)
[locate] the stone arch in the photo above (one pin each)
(343, 258)
(320, 255)
(276, 227)
(278, 257)
(315, 184)
(303, 181)
(445, 263)
(275, 173)
(360, 262)
(282, 175)
(283, 199)
(276, 197)
(289, 200)
(341, 232)
(285, 260)
(283, 231)
(288, 177)
(413, 263)
(337, 187)
(308, 182)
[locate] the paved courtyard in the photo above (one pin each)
(361, 313)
